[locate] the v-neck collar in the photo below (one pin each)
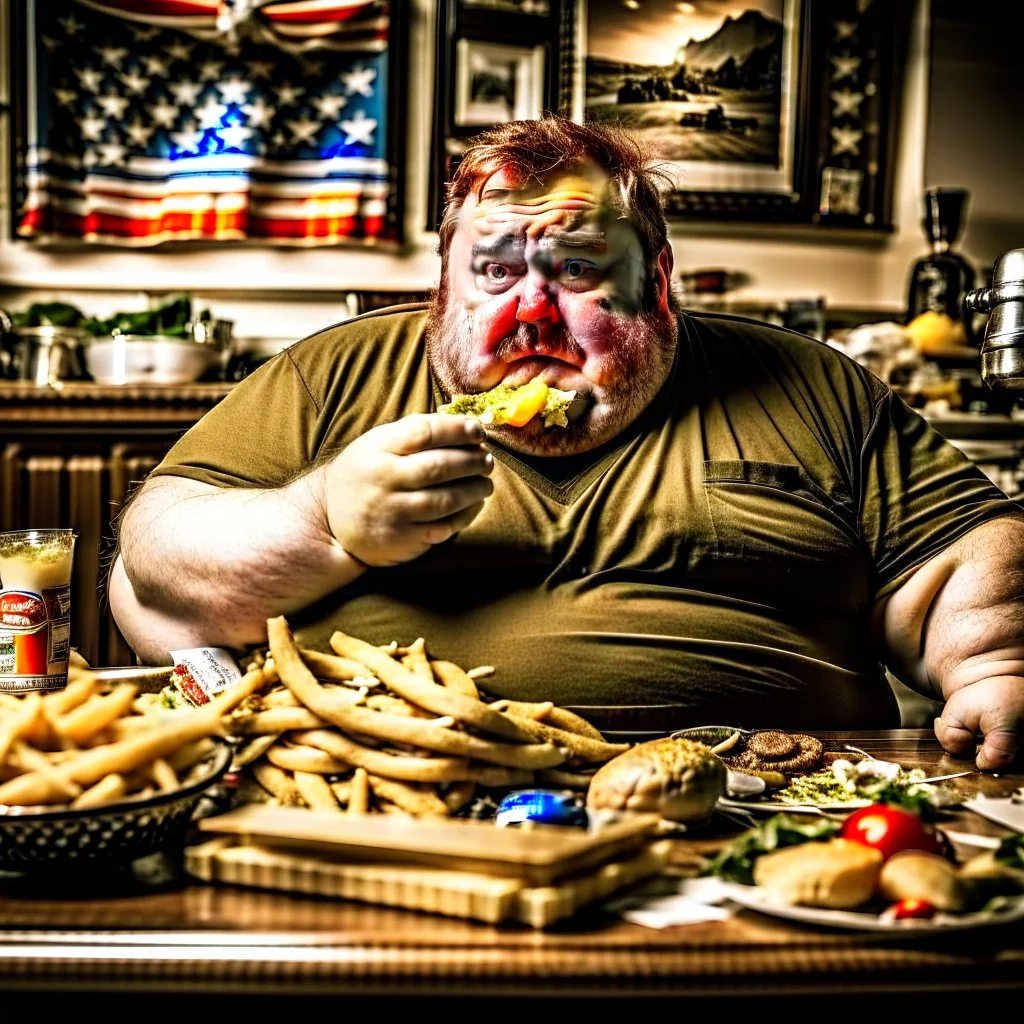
(592, 465)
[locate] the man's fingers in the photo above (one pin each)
(436, 503)
(423, 431)
(985, 714)
(954, 737)
(445, 529)
(998, 750)
(440, 466)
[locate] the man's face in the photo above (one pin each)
(545, 277)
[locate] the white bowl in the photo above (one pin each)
(140, 359)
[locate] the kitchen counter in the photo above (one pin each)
(199, 938)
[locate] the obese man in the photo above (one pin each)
(741, 526)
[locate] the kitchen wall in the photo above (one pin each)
(295, 292)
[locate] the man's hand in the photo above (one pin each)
(405, 486)
(991, 708)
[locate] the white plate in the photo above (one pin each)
(753, 898)
(779, 806)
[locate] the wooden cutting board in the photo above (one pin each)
(453, 893)
(539, 855)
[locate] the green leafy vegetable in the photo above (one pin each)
(736, 862)
(1011, 852)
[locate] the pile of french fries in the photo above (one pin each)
(84, 748)
(394, 730)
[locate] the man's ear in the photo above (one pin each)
(663, 276)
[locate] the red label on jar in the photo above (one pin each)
(20, 609)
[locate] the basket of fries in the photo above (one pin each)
(87, 778)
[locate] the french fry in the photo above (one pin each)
(279, 784)
(190, 754)
(163, 775)
(359, 793)
(481, 672)
(420, 801)
(281, 699)
(567, 780)
(29, 759)
(582, 747)
(74, 694)
(315, 791)
(304, 759)
(229, 699)
(253, 750)
(16, 724)
(108, 789)
(98, 712)
(449, 674)
(115, 758)
(457, 795)
(276, 720)
(342, 791)
(416, 660)
(330, 666)
(561, 718)
(395, 706)
(524, 709)
(439, 699)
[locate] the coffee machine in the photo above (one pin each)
(1002, 351)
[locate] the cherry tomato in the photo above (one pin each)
(910, 908)
(889, 830)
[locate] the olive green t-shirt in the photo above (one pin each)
(716, 563)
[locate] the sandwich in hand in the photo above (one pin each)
(514, 407)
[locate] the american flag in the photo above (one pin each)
(167, 120)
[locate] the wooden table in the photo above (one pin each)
(217, 940)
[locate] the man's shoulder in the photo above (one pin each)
(752, 348)
(392, 324)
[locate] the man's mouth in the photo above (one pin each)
(551, 368)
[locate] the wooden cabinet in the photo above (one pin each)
(70, 458)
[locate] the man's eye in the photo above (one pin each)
(575, 270)
(496, 272)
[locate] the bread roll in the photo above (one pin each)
(838, 874)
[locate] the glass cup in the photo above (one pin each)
(35, 609)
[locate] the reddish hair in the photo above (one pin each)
(536, 149)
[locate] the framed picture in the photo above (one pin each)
(773, 110)
(495, 83)
(494, 62)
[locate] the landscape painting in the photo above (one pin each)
(708, 85)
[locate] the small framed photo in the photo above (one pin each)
(496, 83)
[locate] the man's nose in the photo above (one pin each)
(536, 303)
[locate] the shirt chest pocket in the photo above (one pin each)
(775, 527)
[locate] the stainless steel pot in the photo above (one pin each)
(6, 339)
(45, 355)
(149, 359)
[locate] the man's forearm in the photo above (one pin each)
(210, 565)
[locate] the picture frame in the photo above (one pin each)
(767, 110)
(495, 82)
(510, 48)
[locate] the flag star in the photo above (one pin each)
(845, 67)
(210, 113)
(112, 55)
(135, 83)
(258, 113)
(358, 80)
(90, 158)
(92, 127)
(260, 68)
(179, 50)
(846, 102)
(846, 140)
(328, 107)
(156, 66)
(185, 93)
(304, 130)
(235, 136)
(139, 133)
(359, 130)
(144, 34)
(163, 114)
(90, 78)
(65, 97)
(288, 94)
(312, 68)
(188, 140)
(844, 29)
(70, 26)
(279, 139)
(210, 70)
(50, 44)
(113, 105)
(234, 90)
(111, 153)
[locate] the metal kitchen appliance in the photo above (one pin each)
(1002, 352)
(44, 355)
